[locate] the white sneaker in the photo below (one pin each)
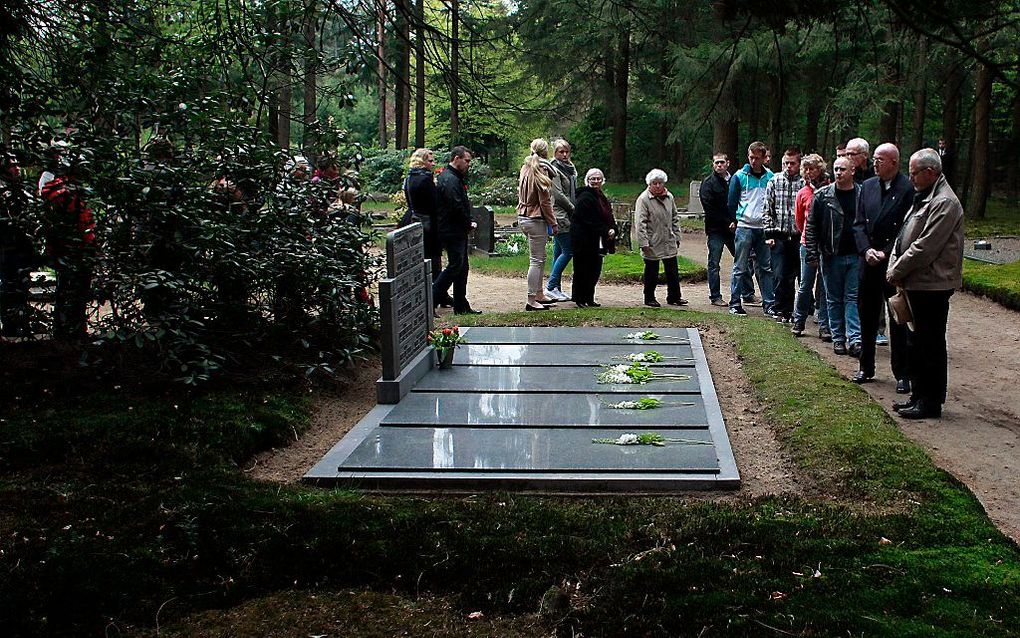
(557, 294)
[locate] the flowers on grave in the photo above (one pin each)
(443, 339)
(645, 403)
(647, 438)
(648, 335)
(636, 372)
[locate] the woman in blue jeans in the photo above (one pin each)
(812, 167)
(564, 194)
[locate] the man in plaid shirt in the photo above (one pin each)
(781, 232)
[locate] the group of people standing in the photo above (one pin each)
(870, 232)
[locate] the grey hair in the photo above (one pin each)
(656, 175)
(594, 171)
(861, 142)
(559, 143)
(927, 158)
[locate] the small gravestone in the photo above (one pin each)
(694, 205)
(405, 308)
(622, 214)
(483, 238)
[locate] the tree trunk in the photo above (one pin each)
(454, 72)
(273, 73)
(621, 76)
(308, 137)
(979, 161)
(887, 126)
(814, 116)
(920, 92)
(284, 94)
(724, 140)
(776, 119)
(402, 92)
(951, 117)
(419, 79)
(1013, 169)
(380, 36)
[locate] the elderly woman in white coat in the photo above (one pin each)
(657, 229)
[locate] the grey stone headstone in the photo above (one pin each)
(623, 213)
(694, 205)
(483, 238)
(405, 307)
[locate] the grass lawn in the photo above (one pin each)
(1002, 217)
(619, 267)
(998, 282)
(122, 512)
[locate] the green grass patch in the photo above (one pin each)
(1000, 282)
(620, 267)
(1002, 218)
(111, 515)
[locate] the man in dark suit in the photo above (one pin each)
(883, 204)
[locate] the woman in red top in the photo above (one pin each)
(812, 167)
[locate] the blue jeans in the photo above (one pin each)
(746, 240)
(841, 273)
(562, 252)
(806, 294)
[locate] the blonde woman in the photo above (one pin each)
(535, 217)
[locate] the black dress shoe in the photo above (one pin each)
(903, 405)
(903, 386)
(531, 308)
(653, 304)
(467, 311)
(862, 377)
(920, 410)
(445, 303)
(593, 304)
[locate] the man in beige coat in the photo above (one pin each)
(658, 235)
(927, 262)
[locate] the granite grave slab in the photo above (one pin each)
(545, 410)
(565, 356)
(547, 379)
(528, 450)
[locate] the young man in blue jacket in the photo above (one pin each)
(747, 205)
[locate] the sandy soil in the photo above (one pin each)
(976, 439)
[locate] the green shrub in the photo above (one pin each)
(501, 191)
(384, 170)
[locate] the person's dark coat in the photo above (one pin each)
(714, 194)
(591, 223)
(825, 223)
(452, 204)
(879, 219)
(420, 190)
(863, 174)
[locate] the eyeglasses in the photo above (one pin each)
(839, 169)
(854, 153)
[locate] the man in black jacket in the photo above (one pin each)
(455, 223)
(719, 222)
(881, 208)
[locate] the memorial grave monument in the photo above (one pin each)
(529, 408)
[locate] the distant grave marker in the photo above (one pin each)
(694, 205)
(484, 236)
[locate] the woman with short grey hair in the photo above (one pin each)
(657, 230)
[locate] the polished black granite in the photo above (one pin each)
(563, 355)
(574, 336)
(544, 410)
(529, 450)
(546, 379)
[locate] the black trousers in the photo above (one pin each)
(587, 270)
(786, 269)
(871, 296)
(651, 279)
(926, 348)
(455, 274)
(74, 282)
(15, 268)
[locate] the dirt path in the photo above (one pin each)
(976, 440)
